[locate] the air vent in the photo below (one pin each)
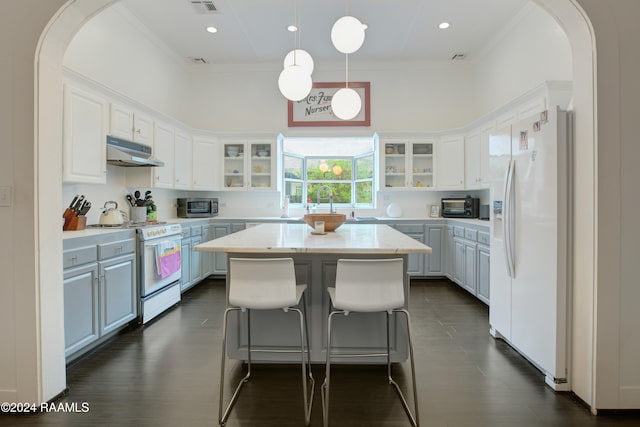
(458, 56)
(204, 6)
(199, 60)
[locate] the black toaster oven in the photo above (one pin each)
(460, 207)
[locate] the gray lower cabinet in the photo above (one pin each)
(195, 264)
(219, 230)
(100, 289)
(468, 259)
(81, 309)
(118, 295)
(206, 258)
(185, 263)
(484, 257)
(449, 256)
(433, 263)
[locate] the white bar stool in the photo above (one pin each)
(265, 284)
(369, 285)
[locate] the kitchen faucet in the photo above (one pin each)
(330, 196)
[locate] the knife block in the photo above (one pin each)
(73, 222)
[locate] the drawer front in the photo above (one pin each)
(108, 250)
(74, 257)
(196, 230)
(458, 231)
(410, 228)
(483, 237)
(471, 235)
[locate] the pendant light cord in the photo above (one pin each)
(346, 76)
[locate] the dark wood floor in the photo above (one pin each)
(166, 374)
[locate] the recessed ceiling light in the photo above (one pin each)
(212, 30)
(292, 28)
(443, 25)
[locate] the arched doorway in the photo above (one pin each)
(75, 13)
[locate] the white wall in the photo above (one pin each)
(531, 48)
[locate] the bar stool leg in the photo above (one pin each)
(325, 385)
(222, 416)
(415, 421)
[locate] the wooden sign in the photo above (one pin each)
(315, 109)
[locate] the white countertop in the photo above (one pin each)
(297, 238)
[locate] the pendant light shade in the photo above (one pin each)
(299, 57)
(347, 34)
(346, 104)
(295, 83)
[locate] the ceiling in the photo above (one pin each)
(251, 31)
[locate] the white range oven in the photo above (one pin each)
(159, 268)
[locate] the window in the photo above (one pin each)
(346, 165)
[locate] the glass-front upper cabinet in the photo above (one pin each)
(408, 164)
(249, 165)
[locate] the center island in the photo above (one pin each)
(315, 258)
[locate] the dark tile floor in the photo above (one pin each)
(166, 374)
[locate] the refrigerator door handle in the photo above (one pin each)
(509, 240)
(505, 219)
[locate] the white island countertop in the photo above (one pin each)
(297, 238)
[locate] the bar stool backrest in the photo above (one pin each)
(369, 285)
(262, 283)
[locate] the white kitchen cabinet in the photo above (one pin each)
(182, 156)
(450, 162)
(407, 164)
(126, 123)
(163, 149)
(249, 165)
(205, 160)
(85, 119)
(472, 166)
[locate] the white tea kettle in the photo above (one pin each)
(111, 215)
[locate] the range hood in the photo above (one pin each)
(121, 152)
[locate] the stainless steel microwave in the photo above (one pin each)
(197, 208)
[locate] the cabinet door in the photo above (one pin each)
(163, 149)
(261, 165)
(196, 259)
(205, 159)
(458, 261)
(220, 258)
(472, 159)
(143, 129)
(121, 121)
(233, 166)
(84, 137)
(484, 154)
(81, 321)
(118, 293)
(185, 264)
(450, 158)
(421, 167)
(415, 262)
(182, 158)
(433, 261)
(484, 258)
(470, 267)
(450, 256)
(206, 257)
(396, 164)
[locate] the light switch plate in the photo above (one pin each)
(5, 196)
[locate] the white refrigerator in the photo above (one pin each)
(530, 202)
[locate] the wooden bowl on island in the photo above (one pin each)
(331, 220)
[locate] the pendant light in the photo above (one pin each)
(347, 35)
(295, 81)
